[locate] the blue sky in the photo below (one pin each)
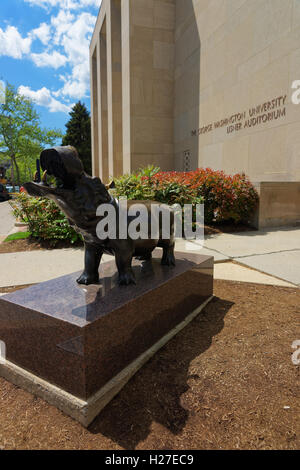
(44, 53)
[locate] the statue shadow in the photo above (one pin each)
(154, 393)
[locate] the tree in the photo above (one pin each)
(79, 134)
(21, 136)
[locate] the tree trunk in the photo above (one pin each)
(17, 171)
(12, 173)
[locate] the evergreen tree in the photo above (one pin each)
(79, 134)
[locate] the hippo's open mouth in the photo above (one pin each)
(40, 189)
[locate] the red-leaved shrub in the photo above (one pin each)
(225, 197)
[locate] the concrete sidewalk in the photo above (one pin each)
(7, 220)
(273, 255)
(275, 251)
(31, 267)
(268, 257)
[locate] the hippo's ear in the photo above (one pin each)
(110, 185)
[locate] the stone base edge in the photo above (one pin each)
(86, 411)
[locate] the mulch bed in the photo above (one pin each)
(30, 244)
(217, 229)
(222, 383)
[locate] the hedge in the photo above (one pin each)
(225, 197)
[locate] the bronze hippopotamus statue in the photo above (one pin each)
(79, 196)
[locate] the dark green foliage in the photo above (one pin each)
(45, 220)
(225, 197)
(79, 134)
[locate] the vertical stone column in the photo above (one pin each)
(117, 118)
(114, 87)
(95, 111)
(98, 166)
(126, 100)
(104, 103)
(109, 91)
(152, 52)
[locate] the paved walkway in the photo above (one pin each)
(266, 257)
(235, 272)
(274, 252)
(7, 220)
(31, 267)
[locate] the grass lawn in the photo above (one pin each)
(17, 236)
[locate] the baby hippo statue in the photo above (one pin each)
(85, 201)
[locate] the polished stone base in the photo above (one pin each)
(77, 346)
(86, 411)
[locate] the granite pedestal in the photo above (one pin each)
(76, 346)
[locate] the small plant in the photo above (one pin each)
(137, 185)
(45, 220)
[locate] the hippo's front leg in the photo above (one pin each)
(92, 258)
(123, 261)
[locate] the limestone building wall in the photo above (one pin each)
(188, 83)
(132, 86)
(152, 82)
(249, 57)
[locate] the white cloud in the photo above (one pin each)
(52, 3)
(61, 23)
(89, 3)
(43, 97)
(42, 33)
(73, 34)
(75, 88)
(12, 44)
(66, 4)
(65, 38)
(54, 59)
(76, 40)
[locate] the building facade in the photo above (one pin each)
(188, 83)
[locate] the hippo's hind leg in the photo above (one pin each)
(123, 261)
(168, 258)
(92, 258)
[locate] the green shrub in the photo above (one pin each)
(226, 198)
(138, 186)
(148, 184)
(45, 220)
